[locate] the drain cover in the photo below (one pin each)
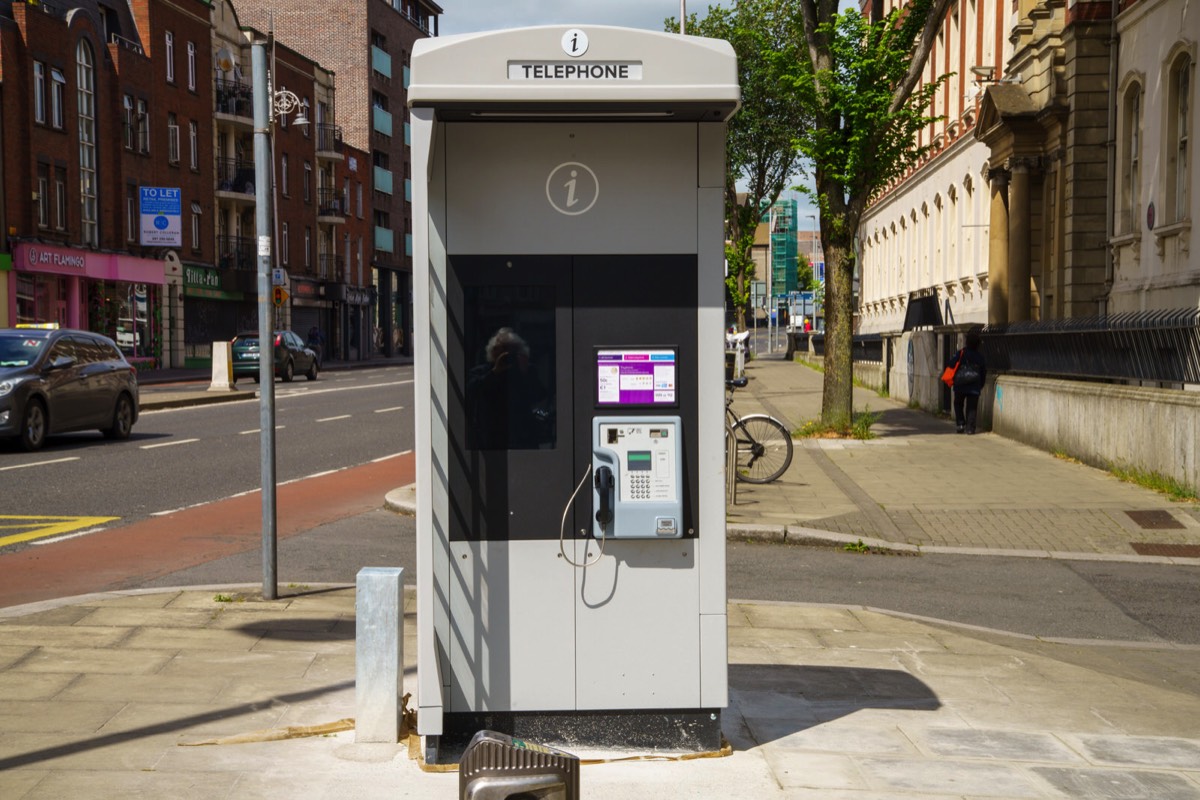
(1155, 520)
(1169, 550)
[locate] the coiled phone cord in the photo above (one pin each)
(562, 528)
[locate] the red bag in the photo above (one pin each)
(948, 372)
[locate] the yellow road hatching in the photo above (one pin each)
(30, 528)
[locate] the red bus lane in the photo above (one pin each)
(126, 556)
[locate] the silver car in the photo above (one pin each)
(55, 380)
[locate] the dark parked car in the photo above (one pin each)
(292, 356)
(54, 380)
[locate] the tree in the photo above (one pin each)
(859, 82)
(805, 280)
(760, 148)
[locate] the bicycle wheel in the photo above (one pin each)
(764, 448)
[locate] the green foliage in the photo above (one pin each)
(859, 427)
(759, 150)
(805, 279)
(858, 80)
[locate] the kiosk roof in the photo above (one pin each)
(565, 71)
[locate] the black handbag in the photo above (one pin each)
(967, 376)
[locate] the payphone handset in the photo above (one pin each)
(637, 490)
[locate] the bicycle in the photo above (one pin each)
(764, 445)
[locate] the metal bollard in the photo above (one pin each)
(379, 654)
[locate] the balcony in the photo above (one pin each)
(384, 240)
(381, 120)
(331, 268)
(234, 98)
(329, 142)
(237, 252)
(329, 206)
(383, 180)
(235, 179)
(381, 61)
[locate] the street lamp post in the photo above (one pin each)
(267, 104)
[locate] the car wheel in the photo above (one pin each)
(122, 421)
(289, 371)
(33, 426)
(312, 371)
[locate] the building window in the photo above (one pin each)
(58, 90)
(172, 138)
(85, 94)
(169, 55)
(39, 93)
(1179, 124)
(130, 122)
(307, 182)
(346, 195)
(360, 201)
(1131, 154)
(60, 198)
(191, 66)
(132, 213)
(306, 112)
(283, 174)
(194, 144)
(307, 247)
(195, 230)
(143, 127)
(43, 198)
(283, 243)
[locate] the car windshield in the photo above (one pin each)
(19, 351)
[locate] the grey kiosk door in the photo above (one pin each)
(523, 332)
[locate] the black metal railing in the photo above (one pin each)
(329, 138)
(233, 97)
(1156, 346)
(235, 175)
(329, 202)
(864, 347)
(330, 268)
(236, 252)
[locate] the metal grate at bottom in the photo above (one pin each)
(1169, 550)
(1155, 520)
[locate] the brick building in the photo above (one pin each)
(367, 45)
(91, 119)
(128, 174)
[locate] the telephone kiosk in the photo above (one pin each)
(568, 186)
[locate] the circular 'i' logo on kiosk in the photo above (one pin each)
(572, 188)
(574, 43)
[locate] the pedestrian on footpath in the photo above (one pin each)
(316, 341)
(968, 383)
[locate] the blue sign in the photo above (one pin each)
(162, 216)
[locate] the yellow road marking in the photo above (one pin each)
(43, 527)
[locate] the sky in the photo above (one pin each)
(466, 16)
(469, 16)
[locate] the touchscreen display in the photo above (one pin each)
(636, 377)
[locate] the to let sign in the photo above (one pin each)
(162, 215)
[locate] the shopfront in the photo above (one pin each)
(117, 295)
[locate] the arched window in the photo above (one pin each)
(85, 74)
(1180, 108)
(1131, 159)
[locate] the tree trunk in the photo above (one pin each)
(739, 313)
(837, 397)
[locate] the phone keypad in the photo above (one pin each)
(639, 486)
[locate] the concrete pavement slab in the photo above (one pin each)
(820, 707)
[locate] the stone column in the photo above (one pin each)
(1018, 241)
(998, 248)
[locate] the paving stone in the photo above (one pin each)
(926, 778)
(997, 745)
(1148, 751)
(1103, 784)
